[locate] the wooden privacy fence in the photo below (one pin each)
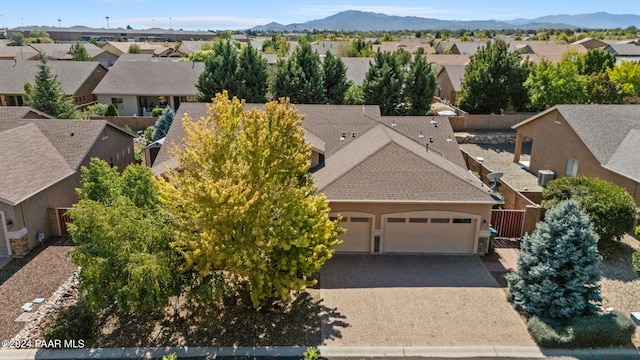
(509, 223)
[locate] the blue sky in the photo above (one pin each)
(240, 14)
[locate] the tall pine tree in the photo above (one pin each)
(300, 78)
(252, 71)
(47, 95)
(383, 84)
(335, 79)
(420, 84)
(220, 72)
(79, 52)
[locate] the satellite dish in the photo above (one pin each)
(494, 176)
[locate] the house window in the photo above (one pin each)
(118, 103)
(462, 221)
(359, 219)
(572, 167)
(418, 220)
(395, 220)
(439, 221)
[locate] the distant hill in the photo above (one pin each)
(353, 20)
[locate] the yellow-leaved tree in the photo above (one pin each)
(245, 203)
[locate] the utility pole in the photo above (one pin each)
(106, 17)
(170, 24)
(59, 22)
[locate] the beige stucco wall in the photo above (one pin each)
(554, 142)
(129, 103)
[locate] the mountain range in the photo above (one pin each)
(353, 20)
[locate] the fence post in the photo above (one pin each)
(532, 215)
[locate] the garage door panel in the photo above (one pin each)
(357, 237)
(437, 235)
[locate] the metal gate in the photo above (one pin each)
(509, 223)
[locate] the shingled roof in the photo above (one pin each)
(610, 132)
(378, 159)
(71, 74)
(384, 165)
(151, 78)
(28, 169)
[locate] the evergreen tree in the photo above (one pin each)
(220, 72)
(111, 111)
(335, 79)
(252, 70)
(244, 202)
(79, 52)
(300, 78)
(596, 61)
(491, 78)
(47, 94)
(163, 124)
(558, 274)
(383, 84)
(420, 84)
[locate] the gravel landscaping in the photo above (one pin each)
(22, 280)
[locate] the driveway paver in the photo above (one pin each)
(416, 300)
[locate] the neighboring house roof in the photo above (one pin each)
(379, 158)
(30, 163)
(465, 47)
(18, 53)
(62, 51)
(191, 46)
(384, 165)
(21, 112)
(610, 132)
(71, 74)
(590, 43)
(448, 59)
(39, 153)
(120, 48)
(455, 73)
(331, 46)
(151, 78)
(623, 49)
(357, 68)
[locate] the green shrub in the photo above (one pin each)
(610, 207)
(609, 330)
(311, 354)
(72, 323)
(111, 111)
(635, 260)
(157, 111)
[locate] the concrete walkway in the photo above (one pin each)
(458, 352)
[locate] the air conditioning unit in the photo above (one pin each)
(544, 176)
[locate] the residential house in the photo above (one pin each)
(590, 43)
(136, 87)
(40, 162)
(599, 141)
(78, 79)
(624, 52)
(399, 183)
(449, 80)
(156, 49)
(62, 51)
(18, 53)
(538, 50)
(357, 68)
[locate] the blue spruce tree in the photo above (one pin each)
(558, 274)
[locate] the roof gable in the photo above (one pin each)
(384, 165)
(30, 163)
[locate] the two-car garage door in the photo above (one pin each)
(410, 232)
(429, 232)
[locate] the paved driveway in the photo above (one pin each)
(416, 300)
